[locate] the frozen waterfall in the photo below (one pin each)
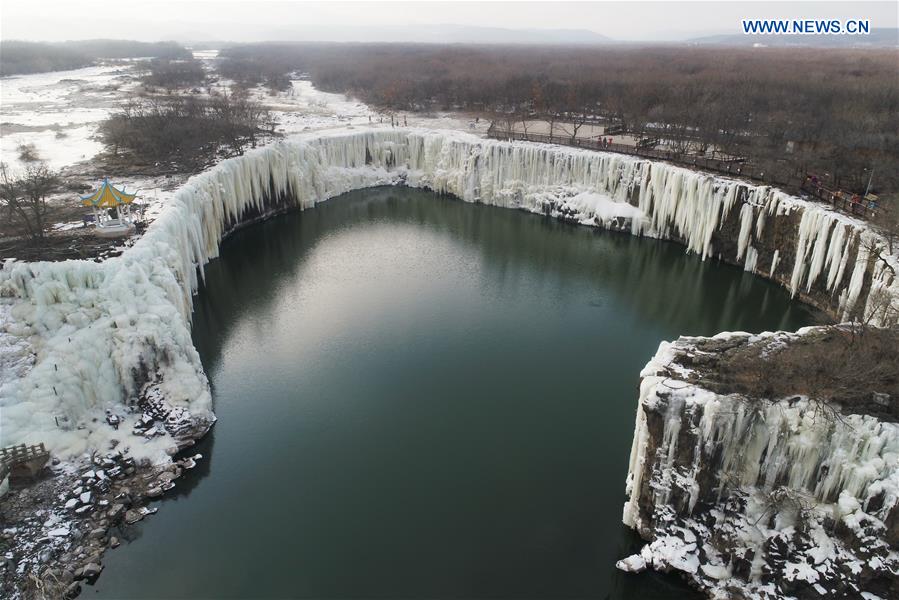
(99, 330)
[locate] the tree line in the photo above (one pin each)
(833, 112)
(173, 74)
(21, 57)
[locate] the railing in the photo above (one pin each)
(734, 167)
(13, 456)
(853, 205)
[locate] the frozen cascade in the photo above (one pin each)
(763, 444)
(101, 329)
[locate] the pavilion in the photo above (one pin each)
(106, 202)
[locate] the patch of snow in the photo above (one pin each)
(632, 564)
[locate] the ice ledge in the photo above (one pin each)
(769, 497)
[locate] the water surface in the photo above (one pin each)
(422, 398)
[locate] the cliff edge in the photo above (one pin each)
(767, 466)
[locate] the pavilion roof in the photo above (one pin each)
(108, 196)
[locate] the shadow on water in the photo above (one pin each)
(509, 241)
(421, 398)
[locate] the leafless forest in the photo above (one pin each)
(834, 113)
(38, 57)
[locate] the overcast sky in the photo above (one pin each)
(187, 20)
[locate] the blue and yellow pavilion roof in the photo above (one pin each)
(108, 196)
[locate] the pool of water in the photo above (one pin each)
(423, 398)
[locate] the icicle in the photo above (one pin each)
(638, 460)
(852, 291)
(746, 215)
(752, 257)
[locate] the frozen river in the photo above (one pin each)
(59, 112)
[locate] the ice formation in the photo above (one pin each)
(753, 466)
(100, 330)
(762, 444)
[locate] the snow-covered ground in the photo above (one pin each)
(59, 112)
(303, 108)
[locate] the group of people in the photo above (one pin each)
(854, 203)
(394, 120)
(605, 142)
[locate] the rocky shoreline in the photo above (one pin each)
(55, 530)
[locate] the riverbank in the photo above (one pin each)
(56, 528)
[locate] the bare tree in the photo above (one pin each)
(23, 197)
(580, 108)
(886, 218)
(174, 74)
(28, 153)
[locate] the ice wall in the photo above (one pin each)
(100, 330)
(750, 444)
(767, 496)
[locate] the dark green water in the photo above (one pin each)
(422, 398)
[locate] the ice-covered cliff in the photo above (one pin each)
(98, 333)
(769, 497)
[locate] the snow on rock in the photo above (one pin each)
(632, 564)
(90, 337)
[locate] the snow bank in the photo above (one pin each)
(98, 331)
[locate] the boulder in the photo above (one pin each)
(91, 570)
(115, 511)
(72, 590)
(133, 516)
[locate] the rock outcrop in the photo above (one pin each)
(748, 496)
